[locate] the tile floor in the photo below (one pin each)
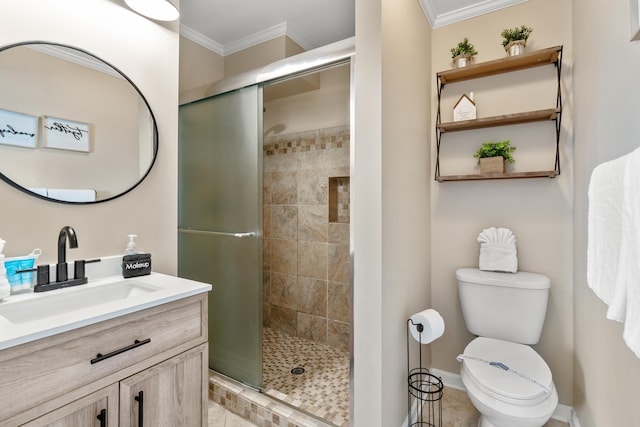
(458, 411)
(323, 388)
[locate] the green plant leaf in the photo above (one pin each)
(464, 48)
(518, 33)
(495, 149)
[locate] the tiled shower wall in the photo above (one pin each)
(306, 257)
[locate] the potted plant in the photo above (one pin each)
(462, 53)
(515, 39)
(492, 156)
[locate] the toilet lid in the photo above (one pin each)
(527, 376)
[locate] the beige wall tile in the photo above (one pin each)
(313, 223)
(283, 290)
(266, 287)
(284, 188)
(312, 296)
(313, 328)
(338, 334)
(339, 301)
(284, 222)
(266, 220)
(266, 254)
(338, 233)
(313, 186)
(284, 256)
(302, 163)
(284, 320)
(312, 260)
(338, 263)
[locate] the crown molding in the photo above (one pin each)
(203, 41)
(463, 13)
(283, 29)
(75, 56)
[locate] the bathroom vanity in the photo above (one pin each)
(120, 352)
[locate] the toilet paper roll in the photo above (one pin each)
(432, 326)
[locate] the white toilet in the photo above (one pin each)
(506, 380)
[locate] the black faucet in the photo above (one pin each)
(61, 267)
(62, 276)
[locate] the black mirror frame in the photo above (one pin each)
(153, 119)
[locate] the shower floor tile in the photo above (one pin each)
(323, 388)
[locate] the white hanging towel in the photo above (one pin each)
(498, 250)
(613, 253)
(605, 233)
(630, 251)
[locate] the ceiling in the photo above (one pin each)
(228, 26)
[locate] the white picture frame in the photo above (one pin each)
(17, 129)
(63, 134)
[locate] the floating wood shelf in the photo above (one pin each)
(512, 175)
(503, 65)
(507, 119)
(549, 56)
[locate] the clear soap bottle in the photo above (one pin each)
(132, 249)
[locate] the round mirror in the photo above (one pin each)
(73, 128)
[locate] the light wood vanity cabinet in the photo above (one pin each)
(97, 409)
(166, 394)
(70, 378)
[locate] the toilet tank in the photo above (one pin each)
(506, 306)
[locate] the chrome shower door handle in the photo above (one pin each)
(219, 233)
(247, 234)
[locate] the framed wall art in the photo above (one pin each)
(65, 134)
(20, 130)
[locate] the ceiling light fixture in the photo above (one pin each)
(160, 10)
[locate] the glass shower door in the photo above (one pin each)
(220, 223)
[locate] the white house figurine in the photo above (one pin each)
(465, 108)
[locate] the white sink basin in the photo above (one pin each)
(69, 300)
(26, 317)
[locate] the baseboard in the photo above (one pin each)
(575, 422)
(449, 379)
(563, 413)
(414, 413)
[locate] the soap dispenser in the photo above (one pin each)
(5, 288)
(135, 263)
(131, 246)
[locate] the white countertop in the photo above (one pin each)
(30, 316)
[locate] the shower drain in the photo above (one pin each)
(297, 371)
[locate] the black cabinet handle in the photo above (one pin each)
(102, 416)
(140, 399)
(100, 357)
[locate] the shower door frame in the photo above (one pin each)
(335, 54)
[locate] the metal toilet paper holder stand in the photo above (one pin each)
(424, 386)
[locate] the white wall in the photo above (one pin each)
(147, 52)
(390, 201)
(538, 211)
(607, 101)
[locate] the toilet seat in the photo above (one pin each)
(528, 380)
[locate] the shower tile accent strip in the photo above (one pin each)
(256, 407)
